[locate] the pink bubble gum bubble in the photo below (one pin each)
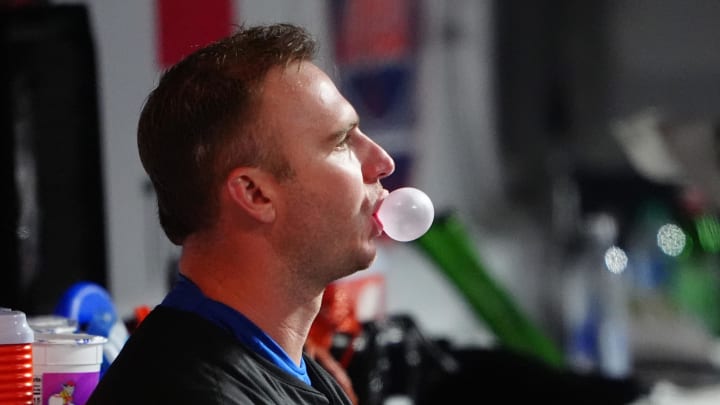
(406, 214)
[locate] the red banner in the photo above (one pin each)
(185, 25)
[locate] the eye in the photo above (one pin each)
(344, 141)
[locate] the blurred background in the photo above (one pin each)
(576, 144)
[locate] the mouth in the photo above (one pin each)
(377, 223)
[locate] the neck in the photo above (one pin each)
(261, 290)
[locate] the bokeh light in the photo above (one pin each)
(615, 259)
(671, 239)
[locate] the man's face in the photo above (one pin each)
(325, 223)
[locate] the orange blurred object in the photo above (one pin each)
(140, 313)
(16, 374)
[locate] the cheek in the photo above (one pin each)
(335, 208)
(347, 189)
(345, 170)
(341, 198)
(335, 186)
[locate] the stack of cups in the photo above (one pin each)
(66, 367)
(52, 324)
(16, 363)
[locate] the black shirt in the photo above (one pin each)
(177, 357)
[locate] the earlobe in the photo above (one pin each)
(249, 191)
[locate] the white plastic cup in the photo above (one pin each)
(66, 367)
(16, 373)
(52, 324)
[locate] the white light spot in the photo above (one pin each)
(671, 239)
(615, 259)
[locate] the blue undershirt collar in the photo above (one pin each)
(186, 296)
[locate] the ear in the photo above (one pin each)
(251, 190)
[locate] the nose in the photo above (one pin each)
(377, 163)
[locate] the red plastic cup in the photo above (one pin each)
(16, 366)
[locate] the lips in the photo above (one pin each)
(377, 223)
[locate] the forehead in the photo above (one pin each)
(301, 97)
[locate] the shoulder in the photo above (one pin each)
(179, 357)
(174, 357)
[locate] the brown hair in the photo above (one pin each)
(201, 121)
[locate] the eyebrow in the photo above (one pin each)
(343, 132)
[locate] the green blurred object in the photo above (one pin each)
(695, 286)
(448, 244)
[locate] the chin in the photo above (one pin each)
(367, 261)
(370, 251)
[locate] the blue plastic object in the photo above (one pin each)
(92, 307)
